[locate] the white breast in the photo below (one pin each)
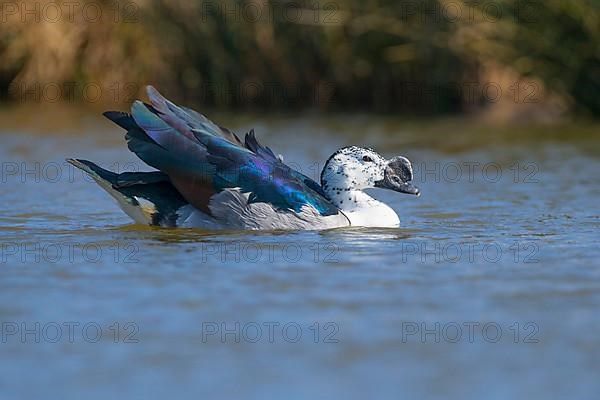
(376, 215)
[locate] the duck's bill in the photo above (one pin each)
(409, 188)
(398, 176)
(402, 187)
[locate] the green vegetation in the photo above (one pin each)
(424, 57)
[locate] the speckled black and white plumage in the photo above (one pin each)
(351, 168)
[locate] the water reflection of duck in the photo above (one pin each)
(207, 177)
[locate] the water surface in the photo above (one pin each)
(489, 288)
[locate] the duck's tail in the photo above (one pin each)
(148, 198)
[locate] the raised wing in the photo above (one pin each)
(202, 159)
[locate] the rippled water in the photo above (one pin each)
(489, 288)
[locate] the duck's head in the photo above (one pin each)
(357, 168)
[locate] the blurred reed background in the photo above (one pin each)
(505, 59)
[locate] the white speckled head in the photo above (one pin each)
(353, 168)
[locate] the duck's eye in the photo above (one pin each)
(367, 159)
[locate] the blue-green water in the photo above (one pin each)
(490, 288)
